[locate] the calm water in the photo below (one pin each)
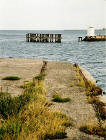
(90, 55)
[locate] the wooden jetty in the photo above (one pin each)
(43, 38)
(93, 38)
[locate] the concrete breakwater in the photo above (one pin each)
(88, 78)
(93, 38)
(61, 78)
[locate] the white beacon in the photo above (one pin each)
(91, 31)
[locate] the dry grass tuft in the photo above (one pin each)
(81, 82)
(99, 106)
(94, 91)
(28, 116)
(94, 129)
(72, 84)
(3, 94)
(42, 123)
(41, 76)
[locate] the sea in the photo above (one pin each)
(90, 55)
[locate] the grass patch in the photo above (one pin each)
(57, 98)
(95, 100)
(99, 106)
(36, 116)
(26, 81)
(11, 78)
(72, 84)
(58, 135)
(94, 91)
(10, 129)
(11, 106)
(28, 85)
(41, 76)
(81, 82)
(28, 117)
(3, 94)
(94, 129)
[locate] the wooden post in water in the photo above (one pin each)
(35, 37)
(51, 37)
(42, 37)
(59, 40)
(56, 38)
(47, 35)
(28, 37)
(38, 37)
(79, 38)
(45, 38)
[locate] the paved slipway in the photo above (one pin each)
(58, 79)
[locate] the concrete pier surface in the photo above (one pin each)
(59, 77)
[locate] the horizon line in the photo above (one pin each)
(49, 29)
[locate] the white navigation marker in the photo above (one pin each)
(91, 31)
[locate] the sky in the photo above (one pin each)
(52, 14)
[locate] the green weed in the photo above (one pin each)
(11, 78)
(11, 106)
(57, 98)
(10, 129)
(41, 76)
(72, 84)
(28, 117)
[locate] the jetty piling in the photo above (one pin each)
(79, 38)
(43, 38)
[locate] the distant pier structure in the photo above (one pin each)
(92, 37)
(43, 38)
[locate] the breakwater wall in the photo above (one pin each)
(93, 38)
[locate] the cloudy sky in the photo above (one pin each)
(52, 14)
